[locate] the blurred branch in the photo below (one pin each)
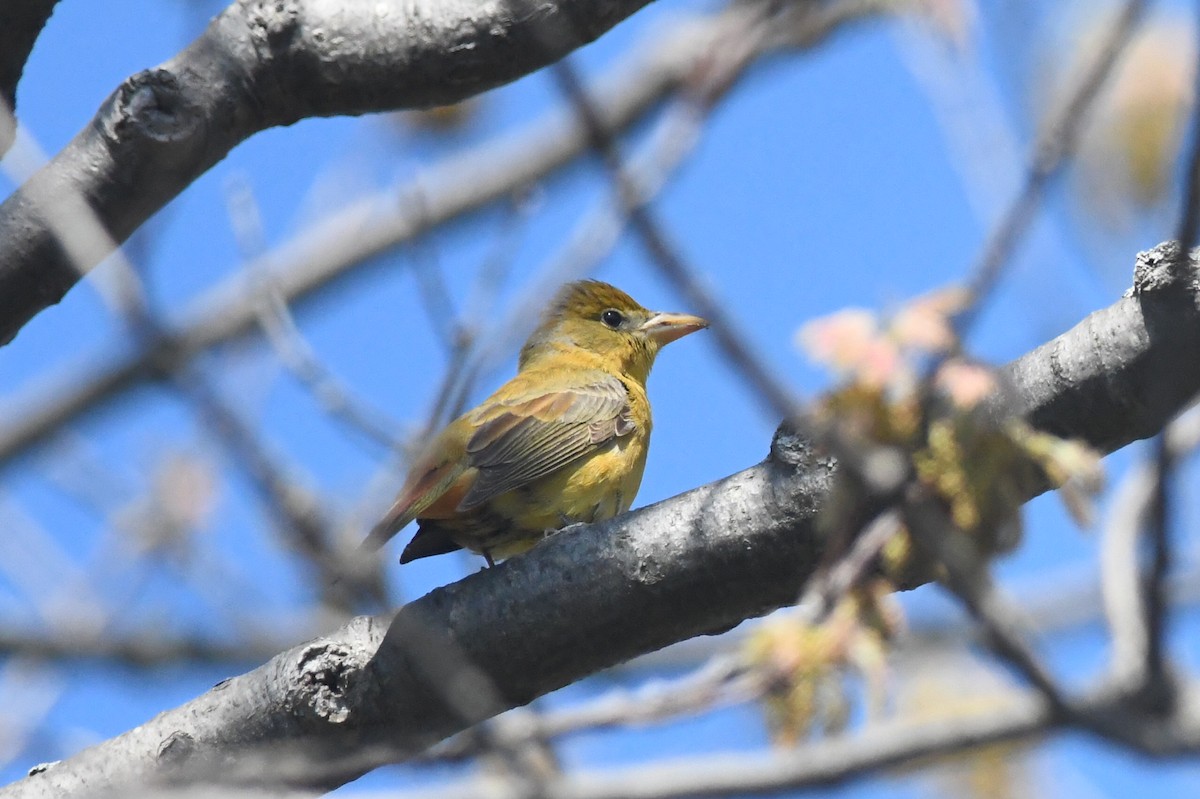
(1157, 688)
(1051, 152)
(822, 763)
(723, 678)
(968, 577)
(1123, 588)
(663, 252)
(300, 517)
(1157, 682)
(259, 65)
(21, 21)
(1189, 213)
(334, 397)
(696, 564)
(325, 253)
(284, 336)
(299, 514)
(462, 371)
(836, 760)
(831, 583)
(149, 648)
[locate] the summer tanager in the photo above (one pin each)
(563, 441)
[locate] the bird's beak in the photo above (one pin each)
(666, 327)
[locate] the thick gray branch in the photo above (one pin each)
(20, 23)
(1121, 373)
(592, 597)
(259, 64)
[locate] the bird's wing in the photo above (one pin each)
(531, 435)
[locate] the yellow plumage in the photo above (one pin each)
(563, 441)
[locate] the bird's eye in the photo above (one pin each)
(613, 318)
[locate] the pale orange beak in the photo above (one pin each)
(666, 327)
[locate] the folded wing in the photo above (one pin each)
(521, 440)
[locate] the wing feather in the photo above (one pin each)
(532, 437)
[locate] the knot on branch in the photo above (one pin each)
(273, 24)
(271, 29)
(792, 449)
(150, 106)
(1164, 268)
(327, 681)
(176, 749)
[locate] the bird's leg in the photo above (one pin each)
(487, 555)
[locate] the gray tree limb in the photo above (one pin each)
(380, 690)
(21, 21)
(260, 64)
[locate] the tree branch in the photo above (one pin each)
(824, 763)
(20, 25)
(1158, 688)
(373, 692)
(1121, 373)
(143, 648)
(839, 759)
(261, 64)
(1051, 154)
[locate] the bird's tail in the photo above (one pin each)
(382, 532)
(429, 540)
(416, 496)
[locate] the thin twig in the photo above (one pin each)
(826, 588)
(715, 683)
(967, 576)
(298, 512)
(282, 332)
(824, 763)
(1050, 156)
(1158, 681)
(778, 397)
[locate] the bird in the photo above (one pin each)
(564, 441)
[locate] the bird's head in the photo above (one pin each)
(601, 319)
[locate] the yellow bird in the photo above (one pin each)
(563, 441)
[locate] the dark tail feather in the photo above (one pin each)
(428, 541)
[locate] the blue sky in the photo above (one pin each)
(827, 180)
